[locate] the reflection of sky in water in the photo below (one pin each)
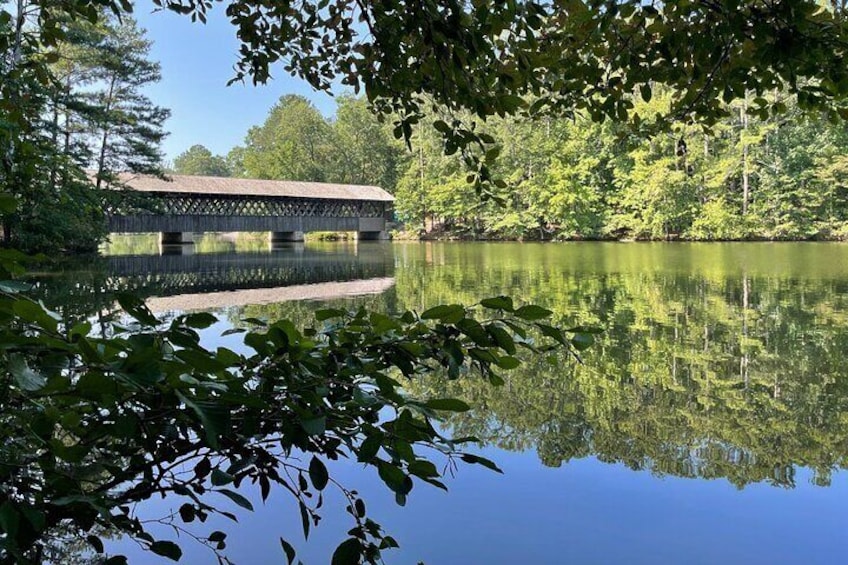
(588, 511)
(584, 512)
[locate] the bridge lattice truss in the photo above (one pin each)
(211, 205)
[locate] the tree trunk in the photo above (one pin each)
(101, 160)
(743, 118)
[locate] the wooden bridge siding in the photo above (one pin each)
(231, 213)
(194, 223)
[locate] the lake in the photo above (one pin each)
(709, 424)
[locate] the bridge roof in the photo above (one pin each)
(186, 184)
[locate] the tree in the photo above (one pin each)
(127, 126)
(507, 58)
(197, 160)
(292, 144)
(66, 110)
(364, 151)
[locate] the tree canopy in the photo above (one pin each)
(198, 160)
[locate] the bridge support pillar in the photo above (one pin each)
(176, 243)
(284, 236)
(372, 236)
(175, 238)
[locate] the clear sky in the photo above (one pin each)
(197, 61)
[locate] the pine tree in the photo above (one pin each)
(126, 128)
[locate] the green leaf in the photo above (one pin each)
(370, 447)
(508, 363)
(498, 303)
(304, 519)
(448, 405)
(532, 312)
(9, 519)
(329, 313)
(8, 203)
(475, 331)
(289, 551)
(447, 313)
(502, 338)
(135, 307)
(201, 360)
(214, 418)
(167, 549)
(26, 378)
(36, 313)
(582, 341)
(441, 126)
(393, 476)
(477, 460)
(219, 478)
(187, 512)
(237, 498)
(96, 543)
(553, 332)
(348, 552)
(15, 287)
(315, 426)
(318, 474)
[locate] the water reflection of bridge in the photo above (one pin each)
(168, 275)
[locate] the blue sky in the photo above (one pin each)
(197, 61)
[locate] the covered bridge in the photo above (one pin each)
(286, 209)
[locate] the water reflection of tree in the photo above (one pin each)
(701, 373)
(706, 369)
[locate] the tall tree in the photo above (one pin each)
(292, 144)
(364, 151)
(127, 127)
(198, 160)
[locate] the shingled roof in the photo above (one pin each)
(186, 184)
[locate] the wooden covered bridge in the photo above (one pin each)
(185, 205)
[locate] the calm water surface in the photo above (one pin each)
(709, 425)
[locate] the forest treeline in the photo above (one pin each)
(750, 176)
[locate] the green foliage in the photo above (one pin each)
(292, 144)
(717, 361)
(197, 160)
(297, 143)
(572, 178)
(482, 60)
(71, 100)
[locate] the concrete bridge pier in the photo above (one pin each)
(372, 236)
(176, 243)
(285, 236)
(176, 238)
